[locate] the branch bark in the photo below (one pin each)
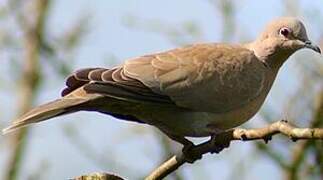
(224, 139)
(266, 133)
(98, 176)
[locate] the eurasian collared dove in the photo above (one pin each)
(193, 91)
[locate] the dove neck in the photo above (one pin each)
(268, 53)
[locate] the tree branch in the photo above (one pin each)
(280, 127)
(223, 140)
(98, 176)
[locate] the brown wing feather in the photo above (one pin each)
(113, 83)
(76, 80)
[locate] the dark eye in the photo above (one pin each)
(284, 31)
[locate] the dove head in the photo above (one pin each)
(280, 39)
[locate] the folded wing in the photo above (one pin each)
(204, 77)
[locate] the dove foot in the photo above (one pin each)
(219, 145)
(189, 155)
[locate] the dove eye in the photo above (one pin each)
(284, 31)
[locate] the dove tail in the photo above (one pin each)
(41, 113)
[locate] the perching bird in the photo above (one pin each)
(194, 91)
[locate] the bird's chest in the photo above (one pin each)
(239, 115)
(199, 124)
(225, 91)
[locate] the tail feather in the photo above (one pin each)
(41, 113)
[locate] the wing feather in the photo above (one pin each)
(205, 77)
(113, 83)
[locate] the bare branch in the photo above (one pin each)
(280, 127)
(98, 176)
(166, 168)
(224, 139)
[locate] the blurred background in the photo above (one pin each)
(42, 41)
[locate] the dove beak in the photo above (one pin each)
(308, 44)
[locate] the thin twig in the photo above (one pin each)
(166, 168)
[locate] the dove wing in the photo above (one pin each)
(204, 77)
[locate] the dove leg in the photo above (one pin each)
(218, 145)
(189, 156)
(180, 139)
